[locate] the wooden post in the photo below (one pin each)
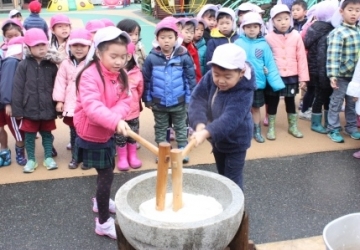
(162, 173)
(122, 242)
(143, 142)
(177, 178)
(241, 238)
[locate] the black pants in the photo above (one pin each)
(273, 102)
(308, 98)
(322, 98)
(104, 180)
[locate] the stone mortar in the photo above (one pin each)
(212, 233)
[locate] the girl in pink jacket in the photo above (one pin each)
(64, 89)
(102, 104)
(126, 146)
(290, 57)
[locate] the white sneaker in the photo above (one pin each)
(306, 115)
(106, 229)
(68, 147)
(112, 208)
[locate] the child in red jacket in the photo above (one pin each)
(188, 32)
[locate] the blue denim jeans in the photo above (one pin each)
(231, 165)
(336, 101)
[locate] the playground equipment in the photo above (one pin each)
(229, 228)
(180, 7)
(69, 5)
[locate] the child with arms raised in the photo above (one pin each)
(101, 106)
(65, 90)
(260, 56)
(220, 107)
(32, 98)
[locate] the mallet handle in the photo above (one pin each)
(143, 142)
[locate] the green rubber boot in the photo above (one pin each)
(271, 128)
(257, 134)
(316, 123)
(293, 130)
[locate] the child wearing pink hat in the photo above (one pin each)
(64, 89)
(126, 146)
(8, 66)
(169, 78)
(94, 25)
(32, 98)
(107, 22)
(60, 26)
(10, 28)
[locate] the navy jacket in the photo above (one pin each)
(168, 82)
(228, 119)
(35, 21)
(217, 39)
(8, 68)
(32, 90)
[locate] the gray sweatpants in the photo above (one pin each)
(336, 101)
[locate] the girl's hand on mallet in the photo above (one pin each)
(122, 127)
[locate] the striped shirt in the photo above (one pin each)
(343, 51)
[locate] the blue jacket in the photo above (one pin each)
(259, 54)
(228, 118)
(217, 39)
(35, 21)
(8, 68)
(201, 46)
(168, 82)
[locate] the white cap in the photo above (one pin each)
(257, 9)
(208, 7)
(13, 13)
(279, 8)
(191, 20)
(231, 56)
(226, 10)
(105, 34)
(108, 34)
(252, 17)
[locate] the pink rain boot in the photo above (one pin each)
(122, 164)
(134, 162)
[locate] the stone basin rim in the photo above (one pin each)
(230, 211)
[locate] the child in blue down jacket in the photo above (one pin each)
(220, 109)
(169, 78)
(261, 58)
(34, 20)
(200, 44)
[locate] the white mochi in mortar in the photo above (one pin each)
(195, 208)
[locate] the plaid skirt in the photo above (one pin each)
(95, 155)
(290, 90)
(259, 98)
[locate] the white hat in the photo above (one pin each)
(252, 17)
(108, 34)
(257, 9)
(191, 20)
(231, 56)
(244, 7)
(208, 7)
(13, 13)
(226, 10)
(279, 8)
(105, 34)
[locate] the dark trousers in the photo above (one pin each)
(273, 102)
(322, 98)
(231, 165)
(308, 98)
